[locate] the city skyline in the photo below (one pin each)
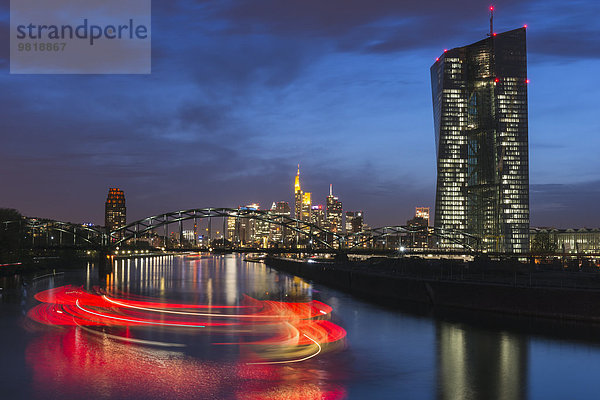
(267, 199)
(231, 129)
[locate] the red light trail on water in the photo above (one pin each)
(299, 331)
(103, 346)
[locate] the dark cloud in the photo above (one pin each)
(565, 43)
(362, 25)
(559, 29)
(336, 18)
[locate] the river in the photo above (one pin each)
(218, 327)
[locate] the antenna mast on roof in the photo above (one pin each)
(491, 21)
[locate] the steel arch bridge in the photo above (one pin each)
(42, 230)
(135, 229)
(72, 234)
(323, 237)
(454, 237)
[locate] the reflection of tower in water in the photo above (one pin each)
(480, 364)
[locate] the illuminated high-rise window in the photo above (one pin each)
(279, 234)
(481, 134)
(306, 206)
(297, 196)
(354, 221)
(115, 212)
(422, 212)
(317, 216)
(334, 212)
(419, 236)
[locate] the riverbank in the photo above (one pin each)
(50, 260)
(505, 287)
(41, 261)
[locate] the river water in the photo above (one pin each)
(218, 327)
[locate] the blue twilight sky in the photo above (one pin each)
(242, 91)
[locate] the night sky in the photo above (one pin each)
(242, 91)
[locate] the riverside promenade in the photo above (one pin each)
(506, 287)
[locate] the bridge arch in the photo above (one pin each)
(83, 233)
(99, 237)
(463, 239)
(137, 228)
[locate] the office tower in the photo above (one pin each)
(422, 212)
(317, 216)
(279, 234)
(306, 205)
(260, 233)
(334, 212)
(354, 226)
(189, 235)
(297, 196)
(480, 117)
(354, 221)
(240, 231)
(281, 208)
(232, 231)
(418, 225)
(253, 232)
(115, 212)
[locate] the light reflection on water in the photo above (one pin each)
(74, 364)
(130, 337)
(389, 354)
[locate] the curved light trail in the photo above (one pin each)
(293, 361)
(274, 332)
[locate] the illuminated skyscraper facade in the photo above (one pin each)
(317, 216)
(115, 211)
(354, 221)
(334, 212)
(297, 196)
(306, 206)
(280, 235)
(248, 231)
(302, 200)
(422, 212)
(419, 237)
(481, 134)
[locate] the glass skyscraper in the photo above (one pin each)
(481, 136)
